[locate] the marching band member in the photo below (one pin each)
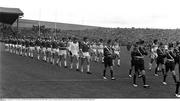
(108, 60)
(160, 59)
(138, 53)
(170, 63)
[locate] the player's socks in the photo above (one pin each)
(111, 71)
(174, 77)
(71, 66)
(150, 66)
(164, 78)
(130, 71)
(88, 68)
(163, 71)
(144, 79)
(134, 79)
(77, 65)
(118, 62)
(65, 64)
(104, 73)
(177, 87)
(156, 69)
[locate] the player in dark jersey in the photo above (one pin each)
(138, 54)
(160, 59)
(38, 48)
(54, 50)
(27, 42)
(170, 63)
(48, 51)
(31, 47)
(85, 55)
(43, 47)
(62, 52)
(108, 60)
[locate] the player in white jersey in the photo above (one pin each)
(100, 46)
(94, 50)
(116, 48)
(153, 54)
(74, 52)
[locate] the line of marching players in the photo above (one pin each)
(84, 51)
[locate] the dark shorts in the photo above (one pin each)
(108, 61)
(139, 64)
(160, 60)
(169, 65)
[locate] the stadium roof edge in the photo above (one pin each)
(9, 15)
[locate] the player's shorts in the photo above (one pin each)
(117, 54)
(108, 61)
(57, 50)
(44, 49)
(85, 55)
(153, 55)
(74, 53)
(6, 45)
(169, 65)
(94, 51)
(100, 51)
(62, 52)
(23, 47)
(54, 50)
(48, 50)
(18, 46)
(31, 48)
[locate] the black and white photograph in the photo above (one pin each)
(90, 49)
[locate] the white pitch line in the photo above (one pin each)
(74, 80)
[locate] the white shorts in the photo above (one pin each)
(75, 53)
(94, 50)
(62, 52)
(6, 45)
(44, 49)
(117, 52)
(49, 49)
(31, 48)
(101, 51)
(85, 55)
(57, 50)
(154, 55)
(54, 50)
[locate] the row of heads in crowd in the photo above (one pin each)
(86, 39)
(140, 42)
